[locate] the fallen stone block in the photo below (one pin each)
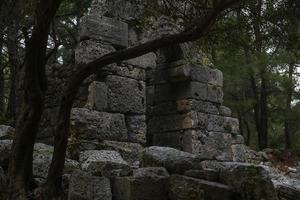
(104, 163)
(84, 186)
(173, 160)
(186, 188)
(146, 184)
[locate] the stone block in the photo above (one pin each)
(125, 70)
(84, 186)
(238, 152)
(184, 106)
(205, 174)
(104, 29)
(175, 161)
(103, 163)
(97, 98)
(215, 77)
(90, 50)
(214, 94)
(181, 90)
(186, 188)
(225, 111)
(126, 95)
(136, 126)
(145, 61)
(89, 124)
(181, 140)
(173, 122)
(212, 145)
(222, 124)
(146, 184)
(130, 152)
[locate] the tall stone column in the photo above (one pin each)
(187, 111)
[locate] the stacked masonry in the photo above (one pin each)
(187, 112)
(116, 105)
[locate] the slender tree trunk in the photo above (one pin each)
(12, 48)
(263, 136)
(2, 86)
(290, 89)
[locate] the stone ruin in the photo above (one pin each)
(161, 100)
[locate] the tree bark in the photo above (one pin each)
(34, 83)
(53, 186)
(263, 134)
(288, 110)
(14, 63)
(2, 86)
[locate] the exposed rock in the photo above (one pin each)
(6, 132)
(173, 160)
(286, 192)
(146, 184)
(84, 186)
(89, 124)
(104, 163)
(186, 188)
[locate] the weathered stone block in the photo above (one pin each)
(84, 186)
(88, 124)
(186, 188)
(238, 152)
(126, 95)
(181, 90)
(181, 140)
(125, 70)
(136, 126)
(146, 184)
(222, 124)
(214, 94)
(185, 105)
(173, 160)
(225, 111)
(215, 77)
(90, 50)
(145, 61)
(130, 152)
(205, 174)
(97, 98)
(104, 29)
(103, 163)
(173, 122)
(212, 145)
